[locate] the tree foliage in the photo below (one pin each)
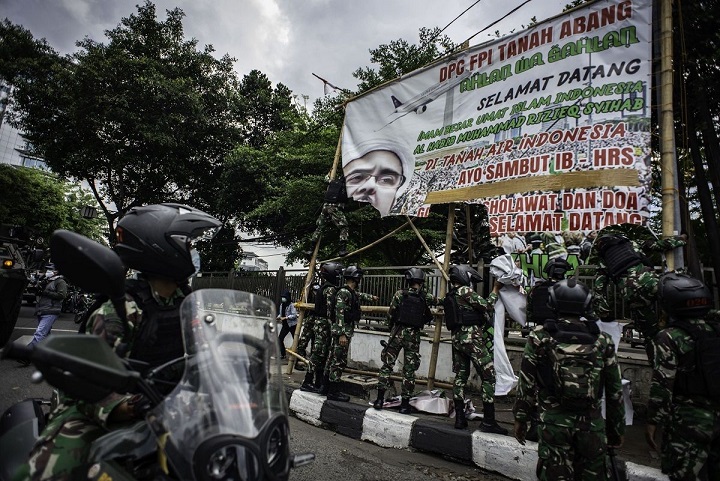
(141, 118)
(42, 203)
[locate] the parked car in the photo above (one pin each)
(13, 280)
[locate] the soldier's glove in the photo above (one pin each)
(648, 244)
(138, 406)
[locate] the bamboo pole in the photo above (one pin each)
(443, 288)
(667, 134)
(311, 270)
(427, 248)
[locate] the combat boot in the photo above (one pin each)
(307, 384)
(334, 393)
(489, 425)
(324, 386)
(380, 401)
(532, 434)
(405, 406)
(460, 421)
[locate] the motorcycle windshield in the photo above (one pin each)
(230, 407)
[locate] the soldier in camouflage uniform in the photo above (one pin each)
(467, 316)
(332, 211)
(330, 273)
(622, 262)
(152, 305)
(406, 317)
(684, 392)
(567, 365)
(307, 334)
(347, 314)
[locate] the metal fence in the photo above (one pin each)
(380, 281)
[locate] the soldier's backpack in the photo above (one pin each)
(573, 358)
(703, 364)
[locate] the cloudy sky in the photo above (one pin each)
(288, 40)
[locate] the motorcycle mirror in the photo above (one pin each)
(87, 264)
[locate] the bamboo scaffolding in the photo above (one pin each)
(356, 251)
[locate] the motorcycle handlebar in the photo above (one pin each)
(16, 351)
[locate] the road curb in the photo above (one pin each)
(390, 429)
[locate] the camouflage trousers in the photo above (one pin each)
(334, 214)
(566, 453)
(473, 346)
(407, 339)
(691, 444)
(337, 361)
(306, 335)
(63, 448)
(321, 345)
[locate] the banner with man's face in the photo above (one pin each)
(549, 127)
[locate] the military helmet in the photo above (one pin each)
(353, 272)
(464, 275)
(414, 274)
(556, 268)
(331, 271)
(157, 239)
(683, 296)
(569, 296)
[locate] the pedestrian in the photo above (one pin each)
(287, 315)
(156, 241)
(409, 312)
(684, 391)
(49, 304)
(567, 366)
(332, 211)
(622, 262)
(330, 273)
(467, 316)
(345, 314)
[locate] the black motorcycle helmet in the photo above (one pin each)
(156, 239)
(414, 275)
(331, 271)
(556, 268)
(683, 296)
(353, 272)
(464, 275)
(569, 297)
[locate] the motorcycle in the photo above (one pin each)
(225, 419)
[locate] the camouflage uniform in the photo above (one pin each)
(470, 346)
(333, 213)
(307, 334)
(338, 354)
(691, 425)
(323, 339)
(406, 338)
(64, 444)
(638, 288)
(572, 443)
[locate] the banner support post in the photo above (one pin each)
(443, 289)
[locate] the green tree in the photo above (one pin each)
(42, 203)
(143, 119)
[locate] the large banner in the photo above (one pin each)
(549, 127)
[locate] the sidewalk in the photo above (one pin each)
(436, 434)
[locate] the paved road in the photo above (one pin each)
(337, 457)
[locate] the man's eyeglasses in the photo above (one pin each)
(390, 179)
